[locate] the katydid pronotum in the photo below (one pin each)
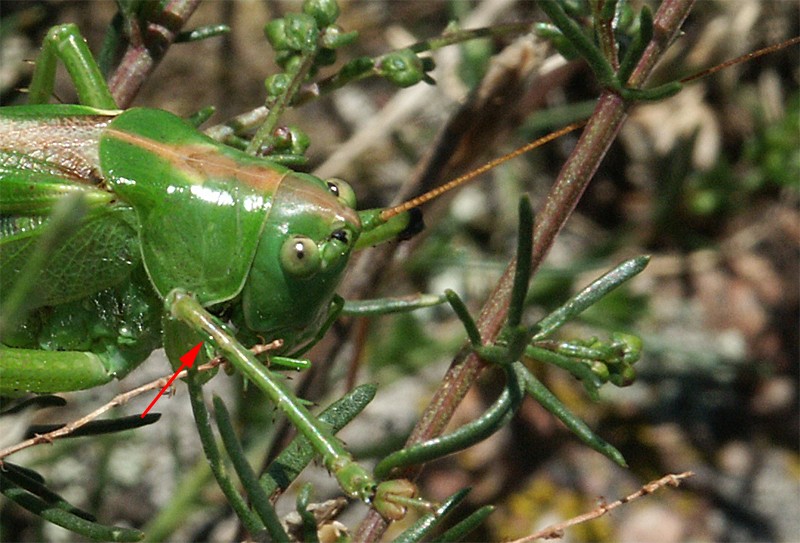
(118, 144)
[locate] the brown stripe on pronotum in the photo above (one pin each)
(205, 161)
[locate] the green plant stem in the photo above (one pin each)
(425, 525)
(30, 481)
(250, 521)
(522, 272)
(276, 109)
(580, 370)
(309, 523)
(67, 520)
(470, 434)
(34, 402)
(238, 125)
(460, 36)
(604, 29)
(580, 41)
(590, 295)
(340, 79)
(97, 427)
(636, 49)
(666, 25)
(202, 33)
(572, 181)
(461, 311)
(387, 306)
(258, 498)
(463, 528)
(564, 196)
(546, 398)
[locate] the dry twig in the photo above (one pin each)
(120, 399)
(557, 530)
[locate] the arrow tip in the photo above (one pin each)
(189, 358)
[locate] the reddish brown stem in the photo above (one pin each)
(604, 29)
(147, 48)
(573, 179)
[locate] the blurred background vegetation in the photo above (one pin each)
(706, 182)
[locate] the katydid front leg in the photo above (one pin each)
(389, 497)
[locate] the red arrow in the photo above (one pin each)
(187, 361)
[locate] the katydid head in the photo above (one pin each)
(308, 236)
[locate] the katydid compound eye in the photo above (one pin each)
(300, 256)
(343, 191)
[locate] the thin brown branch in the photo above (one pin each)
(557, 530)
(120, 399)
(147, 48)
(743, 58)
(666, 25)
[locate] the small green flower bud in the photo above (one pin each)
(325, 12)
(292, 64)
(403, 68)
(299, 140)
(391, 498)
(301, 32)
(275, 32)
(600, 370)
(632, 346)
(334, 37)
(281, 139)
(277, 84)
(282, 58)
(625, 378)
(289, 139)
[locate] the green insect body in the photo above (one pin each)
(124, 231)
(168, 208)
